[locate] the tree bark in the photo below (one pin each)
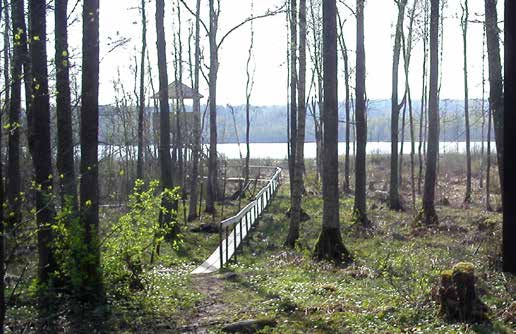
(92, 287)
(360, 210)
(465, 18)
(293, 94)
(168, 217)
(509, 227)
(295, 217)
(13, 184)
(42, 158)
(495, 84)
(65, 144)
(141, 98)
(212, 189)
(430, 215)
(329, 245)
(197, 117)
(3, 14)
(394, 195)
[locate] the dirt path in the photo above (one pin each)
(210, 312)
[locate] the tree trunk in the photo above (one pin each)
(248, 92)
(141, 99)
(394, 195)
(329, 245)
(92, 287)
(295, 217)
(361, 123)
(465, 18)
(495, 83)
(293, 94)
(509, 227)
(430, 215)
(168, 218)
(13, 180)
(65, 144)
(422, 117)
(3, 14)
(197, 117)
(212, 189)
(488, 167)
(42, 158)
(345, 57)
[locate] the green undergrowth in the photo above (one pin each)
(389, 286)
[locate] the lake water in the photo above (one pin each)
(279, 150)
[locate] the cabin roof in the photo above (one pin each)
(176, 88)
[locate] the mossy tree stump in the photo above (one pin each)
(457, 295)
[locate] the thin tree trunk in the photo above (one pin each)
(295, 217)
(141, 106)
(92, 287)
(248, 92)
(65, 144)
(360, 210)
(394, 195)
(422, 113)
(430, 215)
(167, 218)
(13, 180)
(3, 14)
(495, 84)
(488, 168)
(212, 189)
(483, 112)
(42, 161)
(465, 18)
(329, 245)
(293, 94)
(197, 117)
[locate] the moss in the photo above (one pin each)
(464, 267)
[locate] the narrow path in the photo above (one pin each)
(210, 312)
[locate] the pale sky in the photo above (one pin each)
(120, 18)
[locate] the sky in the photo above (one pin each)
(120, 19)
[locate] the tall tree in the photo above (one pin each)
(65, 147)
(495, 83)
(141, 97)
(197, 117)
(345, 58)
(295, 217)
(248, 92)
(92, 289)
(293, 93)
(3, 9)
(424, 100)
(394, 195)
(429, 213)
(13, 185)
(464, 23)
(509, 226)
(212, 189)
(42, 154)
(329, 245)
(360, 210)
(167, 218)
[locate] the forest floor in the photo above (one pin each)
(388, 288)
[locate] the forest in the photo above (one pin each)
(144, 189)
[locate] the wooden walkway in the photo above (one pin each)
(241, 224)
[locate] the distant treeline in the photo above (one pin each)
(269, 123)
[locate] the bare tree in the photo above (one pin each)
(168, 217)
(3, 11)
(295, 217)
(495, 83)
(293, 94)
(464, 24)
(329, 245)
(430, 215)
(197, 115)
(141, 97)
(92, 286)
(360, 210)
(509, 227)
(424, 100)
(248, 92)
(394, 196)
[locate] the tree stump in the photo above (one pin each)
(457, 295)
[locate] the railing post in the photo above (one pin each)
(235, 242)
(227, 249)
(220, 246)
